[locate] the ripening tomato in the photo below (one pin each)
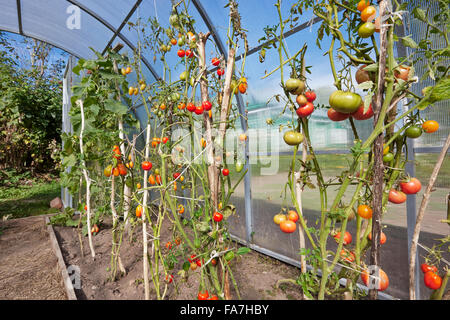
(288, 226)
(203, 295)
(225, 172)
(361, 115)
(214, 297)
(116, 172)
(396, 196)
(426, 267)
(198, 110)
(292, 215)
(139, 211)
(151, 179)
(347, 255)
(180, 209)
(382, 237)
(194, 267)
(108, 170)
(411, 187)
(301, 100)
(146, 165)
(243, 87)
(214, 262)
(295, 86)
(347, 237)
(368, 14)
(430, 126)
(122, 169)
(169, 245)
(363, 4)
(130, 91)
(366, 30)
(381, 278)
(432, 280)
(158, 179)
(189, 53)
(165, 139)
(190, 106)
(220, 72)
(242, 137)
(364, 211)
(173, 41)
(310, 96)
(181, 53)
(278, 218)
(183, 76)
(138, 185)
(217, 216)
(181, 105)
(305, 110)
(334, 115)
(169, 278)
(362, 75)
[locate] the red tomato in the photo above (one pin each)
(122, 169)
(139, 210)
(426, 267)
(190, 106)
(220, 72)
(214, 297)
(430, 126)
(396, 196)
(306, 110)
(198, 110)
(215, 62)
(347, 255)
(169, 245)
(165, 139)
(310, 96)
(217, 216)
(382, 237)
(146, 165)
(181, 53)
(189, 53)
(207, 105)
(158, 179)
(432, 280)
(288, 226)
(347, 237)
(360, 115)
(176, 175)
(203, 295)
(292, 215)
(383, 280)
(169, 278)
(334, 115)
(225, 172)
(411, 187)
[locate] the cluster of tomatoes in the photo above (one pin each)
(304, 99)
(191, 107)
(120, 169)
(431, 277)
(368, 14)
(287, 222)
(204, 295)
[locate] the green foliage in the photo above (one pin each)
(30, 112)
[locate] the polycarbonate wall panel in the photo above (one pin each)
(113, 11)
(8, 16)
(54, 28)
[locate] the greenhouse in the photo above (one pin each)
(224, 150)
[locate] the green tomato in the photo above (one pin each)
(173, 20)
(197, 243)
(295, 86)
(413, 132)
(239, 166)
(183, 76)
(366, 30)
(192, 82)
(293, 138)
(175, 96)
(388, 157)
(181, 41)
(345, 101)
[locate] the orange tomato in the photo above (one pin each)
(288, 226)
(154, 144)
(158, 179)
(364, 211)
(138, 185)
(242, 137)
(173, 41)
(430, 126)
(382, 237)
(243, 88)
(292, 215)
(116, 172)
(174, 186)
(151, 179)
(139, 211)
(363, 4)
(180, 209)
(368, 14)
(128, 70)
(122, 169)
(181, 106)
(162, 106)
(381, 278)
(135, 91)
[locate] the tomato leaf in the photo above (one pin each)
(186, 266)
(408, 42)
(367, 85)
(243, 250)
(116, 107)
(371, 67)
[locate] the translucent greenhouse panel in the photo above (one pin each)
(59, 29)
(8, 16)
(114, 14)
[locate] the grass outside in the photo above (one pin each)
(28, 199)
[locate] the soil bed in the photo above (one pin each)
(255, 274)
(29, 268)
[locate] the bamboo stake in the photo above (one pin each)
(88, 181)
(423, 206)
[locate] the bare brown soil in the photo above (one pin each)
(28, 265)
(255, 274)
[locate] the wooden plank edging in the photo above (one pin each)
(57, 250)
